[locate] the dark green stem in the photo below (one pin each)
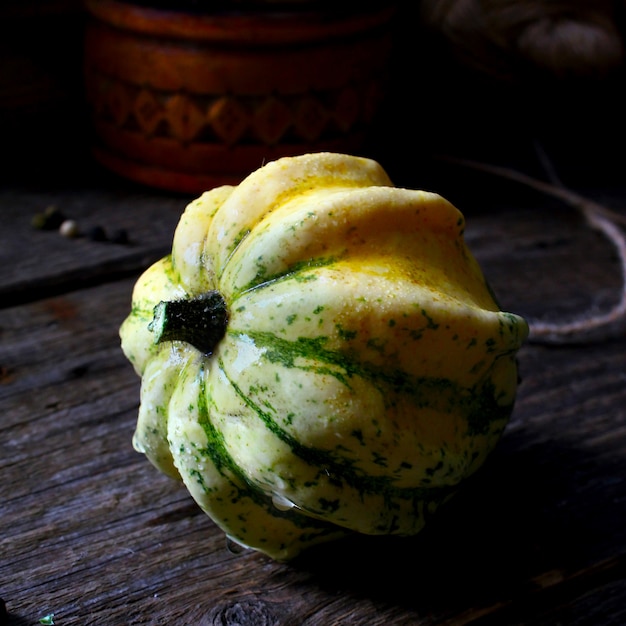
(199, 321)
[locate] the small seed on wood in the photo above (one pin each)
(69, 229)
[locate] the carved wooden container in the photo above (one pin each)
(187, 101)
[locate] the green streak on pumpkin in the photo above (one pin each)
(311, 355)
(338, 469)
(217, 453)
(297, 271)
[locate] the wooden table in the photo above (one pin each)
(91, 533)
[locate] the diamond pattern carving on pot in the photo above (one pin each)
(271, 120)
(148, 111)
(186, 119)
(228, 118)
(118, 102)
(310, 118)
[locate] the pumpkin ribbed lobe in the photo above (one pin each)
(200, 321)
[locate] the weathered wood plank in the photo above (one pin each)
(90, 531)
(40, 263)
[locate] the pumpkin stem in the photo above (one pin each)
(200, 321)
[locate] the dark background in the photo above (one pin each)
(439, 104)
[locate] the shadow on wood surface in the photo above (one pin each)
(512, 523)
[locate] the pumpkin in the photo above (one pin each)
(320, 354)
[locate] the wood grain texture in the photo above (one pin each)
(91, 532)
(40, 262)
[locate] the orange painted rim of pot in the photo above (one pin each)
(254, 27)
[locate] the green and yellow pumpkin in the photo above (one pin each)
(320, 354)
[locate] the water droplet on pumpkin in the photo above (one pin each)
(139, 445)
(234, 546)
(282, 503)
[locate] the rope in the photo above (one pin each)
(591, 326)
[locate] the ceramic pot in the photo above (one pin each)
(189, 100)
